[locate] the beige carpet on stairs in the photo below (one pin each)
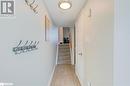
(64, 54)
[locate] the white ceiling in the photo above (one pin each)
(64, 17)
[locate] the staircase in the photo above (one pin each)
(64, 54)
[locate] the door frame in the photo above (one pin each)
(74, 44)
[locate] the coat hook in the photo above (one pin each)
(25, 48)
(26, 43)
(19, 43)
(35, 7)
(27, 2)
(32, 3)
(37, 43)
(34, 10)
(31, 43)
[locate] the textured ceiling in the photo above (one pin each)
(64, 17)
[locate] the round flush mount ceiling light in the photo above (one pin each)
(65, 5)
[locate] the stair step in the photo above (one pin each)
(64, 62)
(64, 59)
(67, 53)
(63, 44)
(64, 54)
(64, 49)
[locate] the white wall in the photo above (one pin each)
(72, 44)
(31, 68)
(60, 34)
(66, 31)
(96, 37)
(122, 43)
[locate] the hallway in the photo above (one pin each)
(65, 76)
(65, 43)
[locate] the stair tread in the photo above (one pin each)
(64, 54)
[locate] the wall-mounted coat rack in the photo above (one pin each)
(27, 46)
(32, 5)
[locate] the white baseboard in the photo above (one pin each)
(77, 74)
(49, 83)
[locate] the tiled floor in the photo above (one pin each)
(65, 76)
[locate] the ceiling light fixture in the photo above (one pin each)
(65, 4)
